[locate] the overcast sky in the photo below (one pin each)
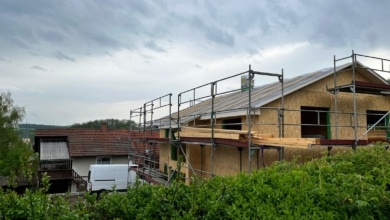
(74, 61)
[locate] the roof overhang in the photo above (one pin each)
(231, 114)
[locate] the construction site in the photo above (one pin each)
(234, 125)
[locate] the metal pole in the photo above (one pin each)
(354, 100)
(144, 121)
(249, 120)
(178, 111)
(169, 119)
(282, 100)
(212, 129)
(335, 97)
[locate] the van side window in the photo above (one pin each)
(103, 160)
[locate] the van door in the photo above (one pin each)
(102, 178)
(121, 177)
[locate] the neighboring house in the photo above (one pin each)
(66, 153)
(349, 108)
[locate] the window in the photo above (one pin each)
(103, 160)
(174, 152)
(174, 148)
(315, 122)
(181, 154)
(232, 124)
(375, 117)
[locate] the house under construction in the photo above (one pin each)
(219, 131)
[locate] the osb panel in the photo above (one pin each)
(342, 78)
(227, 159)
(194, 153)
(165, 152)
(266, 122)
(199, 123)
(162, 133)
(317, 95)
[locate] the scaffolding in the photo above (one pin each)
(144, 145)
(360, 87)
(201, 107)
(214, 93)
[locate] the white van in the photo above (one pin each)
(105, 177)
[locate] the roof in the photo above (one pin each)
(235, 103)
(93, 142)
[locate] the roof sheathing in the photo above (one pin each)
(268, 93)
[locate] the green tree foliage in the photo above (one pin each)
(17, 159)
(349, 185)
(111, 124)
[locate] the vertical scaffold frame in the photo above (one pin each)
(214, 93)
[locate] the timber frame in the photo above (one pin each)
(175, 128)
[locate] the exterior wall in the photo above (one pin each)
(316, 95)
(81, 164)
(227, 160)
(166, 161)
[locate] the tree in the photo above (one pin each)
(111, 124)
(17, 159)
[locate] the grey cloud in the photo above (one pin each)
(36, 67)
(198, 66)
(359, 24)
(53, 37)
(252, 51)
(212, 33)
(153, 46)
(92, 27)
(59, 55)
(220, 36)
(89, 28)
(5, 60)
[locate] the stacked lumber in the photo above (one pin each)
(287, 142)
(218, 133)
(242, 135)
(377, 135)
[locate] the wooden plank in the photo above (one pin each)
(208, 130)
(263, 136)
(292, 140)
(208, 135)
(287, 142)
(377, 134)
(297, 146)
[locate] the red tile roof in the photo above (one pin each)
(97, 142)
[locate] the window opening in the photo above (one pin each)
(232, 124)
(103, 160)
(315, 122)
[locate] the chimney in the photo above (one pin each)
(104, 126)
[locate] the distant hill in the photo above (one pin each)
(27, 130)
(39, 126)
(111, 124)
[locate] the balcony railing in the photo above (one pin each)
(59, 174)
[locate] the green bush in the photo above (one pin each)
(349, 185)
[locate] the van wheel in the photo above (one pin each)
(98, 193)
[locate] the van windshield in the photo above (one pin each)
(89, 175)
